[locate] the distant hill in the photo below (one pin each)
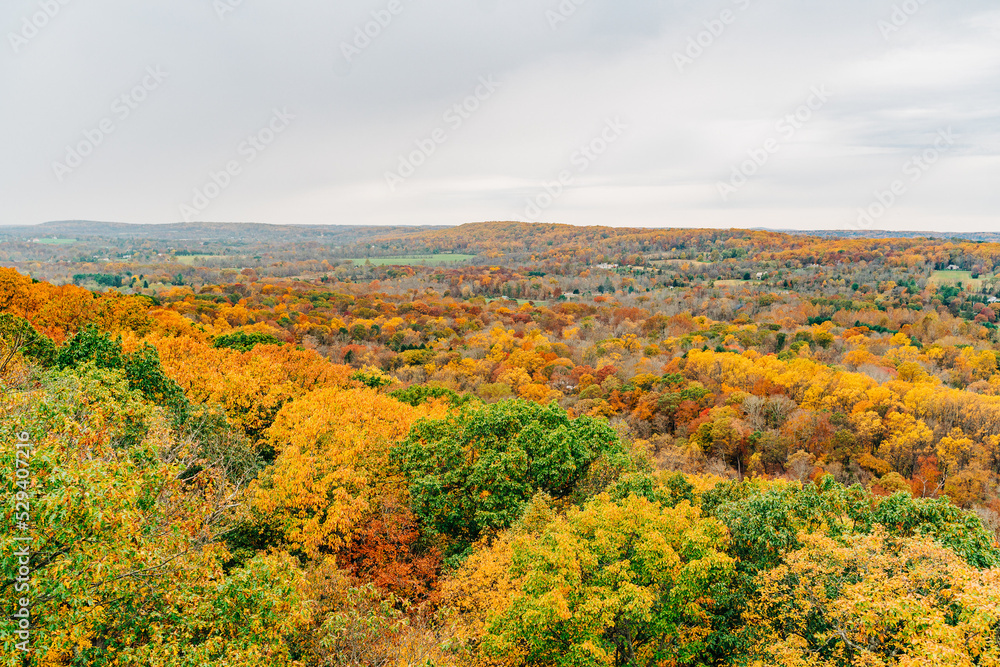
(206, 231)
(992, 237)
(347, 234)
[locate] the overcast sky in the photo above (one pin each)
(749, 113)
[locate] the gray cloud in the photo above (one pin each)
(702, 86)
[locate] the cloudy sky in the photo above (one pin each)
(751, 113)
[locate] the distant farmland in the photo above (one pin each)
(678, 263)
(191, 260)
(56, 241)
(414, 260)
(955, 277)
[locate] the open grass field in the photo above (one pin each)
(676, 263)
(191, 260)
(732, 283)
(955, 277)
(56, 241)
(510, 302)
(415, 260)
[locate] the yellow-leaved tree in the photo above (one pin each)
(627, 582)
(876, 600)
(332, 448)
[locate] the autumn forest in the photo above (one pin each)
(498, 444)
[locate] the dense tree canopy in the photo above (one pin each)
(503, 444)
